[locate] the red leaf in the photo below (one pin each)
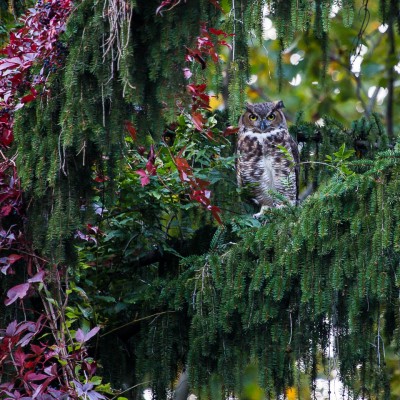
(131, 129)
(152, 155)
(19, 357)
(215, 211)
(210, 135)
(197, 88)
(225, 43)
(35, 377)
(230, 130)
(6, 210)
(217, 32)
(144, 178)
(93, 229)
(198, 121)
(151, 168)
(12, 258)
(200, 60)
(202, 184)
(37, 349)
(16, 292)
(182, 163)
(28, 98)
(162, 5)
(183, 176)
(101, 178)
(25, 326)
(183, 169)
(51, 370)
(8, 261)
(7, 138)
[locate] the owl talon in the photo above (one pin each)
(260, 213)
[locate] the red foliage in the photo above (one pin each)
(198, 187)
(207, 45)
(10, 190)
(200, 100)
(131, 129)
(37, 372)
(230, 130)
(33, 44)
(36, 42)
(144, 178)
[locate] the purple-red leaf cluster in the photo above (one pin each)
(38, 374)
(91, 234)
(35, 43)
(207, 45)
(10, 190)
(151, 168)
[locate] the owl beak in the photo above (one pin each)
(263, 124)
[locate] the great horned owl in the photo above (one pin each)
(267, 156)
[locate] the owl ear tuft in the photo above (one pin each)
(279, 104)
(249, 107)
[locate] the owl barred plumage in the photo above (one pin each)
(263, 164)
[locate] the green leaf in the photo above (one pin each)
(96, 380)
(346, 170)
(343, 154)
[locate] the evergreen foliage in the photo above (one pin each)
(171, 288)
(123, 62)
(76, 132)
(270, 295)
(276, 295)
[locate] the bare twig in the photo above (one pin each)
(136, 321)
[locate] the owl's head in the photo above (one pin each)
(263, 117)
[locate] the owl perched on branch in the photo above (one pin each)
(267, 156)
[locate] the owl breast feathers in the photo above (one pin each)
(267, 156)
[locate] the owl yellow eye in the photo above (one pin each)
(253, 117)
(271, 117)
